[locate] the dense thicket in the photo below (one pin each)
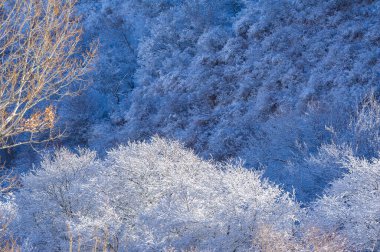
(259, 80)
(147, 197)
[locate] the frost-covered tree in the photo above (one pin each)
(59, 201)
(351, 206)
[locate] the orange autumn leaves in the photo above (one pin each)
(40, 120)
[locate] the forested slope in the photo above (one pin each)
(257, 80)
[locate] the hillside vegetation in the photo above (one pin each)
(229, 125)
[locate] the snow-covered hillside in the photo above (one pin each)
(256, 80)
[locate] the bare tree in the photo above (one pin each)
(40, 62)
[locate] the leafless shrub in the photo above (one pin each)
(39, 62)
(311, 240)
